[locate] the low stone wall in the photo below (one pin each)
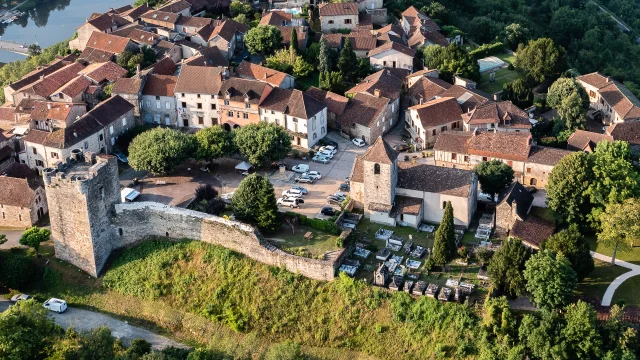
(138, 220)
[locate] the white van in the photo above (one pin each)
(56, 305)
(300, 168)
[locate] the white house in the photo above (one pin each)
(392, 55)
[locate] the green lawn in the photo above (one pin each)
(632, 256)
(597, 282)
(545, 214)
(296, 243)
(508, 58)
(628, 292)
(503, 76)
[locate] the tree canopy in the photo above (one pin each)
(620, 226)
(444, 243)
(518, 93)
(33, 236)
(541, 59)
(562, 88)
(325, 63)
(494, 176)
(263, 39)
(348, 62)
(160, 150)
(573, 245)
(507, 267)
(450, 61)
(567, 188)
(263, 143)
(550, 279)
(214, 142)
(255, 201)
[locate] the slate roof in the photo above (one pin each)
(438, 112)
(16, 192)
(582, 140)
(335, 103)
(250, 70)
(393, 46)
(389, 85)
(503, 113)
(338, 9)
(210, 56)
(199, 80)
(241, 90)
(160, 85)
(363, 109)
(435, 179)
(628, 131)
(380, 152)
(546, 155)
(293, 103)
(518, 194)
(533, 231)
(428, 88)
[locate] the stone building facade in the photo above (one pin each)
(22, 202)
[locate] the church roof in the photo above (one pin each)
(380, 152)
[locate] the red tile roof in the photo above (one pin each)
(628, 131)
(244, 90)
(175, 7)
(108, 42)
(435, 179)
(502, 145)
(199, 80)
(621, 100)
(388, 84)
(335, 103)
(100, 72)
(108, 21)
(546, 155)
(95, 55)
(532, 231)
(380, 152)
(249, 70)
(160, 85)
(211, 56)
(275, 18)
(155, 15)
(363, 109)
(166, 66)
(338, 9)
(438, 112)
(503, 113)
(582, 140)
(16, 192)
(428, 87)
(393, 46)
(293, 103)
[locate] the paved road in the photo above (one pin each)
(635, 270)
(12, 238)
(21, 49)
(83, 320)
(622, 26)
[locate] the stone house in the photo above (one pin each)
(135, 13)
(392, 192)
(338, 16)
(197, 91)
(158, 100)
(22, 197)
(105, 23)
(425, 86)
(211, 56)
(48, 115)
(539, 164)
(43, 88)
(424, 122)
(384, 83)
(248, 70)
(89, 85)
(240, 101)
(392, 55)
(497, 116)
(468, 97)
(34, 76)
(336, 104)
(586, 141)
(304, 117)
(613, 100)
(139, 36)
(188, 26)
(361, 44)
(103, 47)
(163, 19)
(130, 89)
(629, 132)
(421, 30)
(366, 117)
(177, 7)
(168, 49)
(226, 34)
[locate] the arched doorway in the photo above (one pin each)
(533, 182)
(40, 213)
(236, 126)
(226, 127)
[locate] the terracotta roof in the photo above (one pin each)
(225, 28)
(621, 100)
(243, 90)
(389, 85)
(138, 35)
(108, 21)
(175, 7)
(395, 28)
(293, 103)
(275, 18)
(108, 42)
(434, 179)
(406, 205)
(127, 86)
(338, 9)
(50, 83)
(357, 172)
(533, 231)
(546, 155)
(468, 99)
(95, 55)
(121, 9)
(508, 146)
(518, 194)
(100, 72)
(393, 46)
(435, 37)
(503, 113)
(160, 85)
(334, 40)
(199, 80)
(438, 112)
(74, 87)
(335, 103)
(194, 21)
(7, 113)
(211, 56)
(301, 32)
(35, 75)
(165, 66)
(15, 192)
(595, 79)
(162, 47)
(109, 110)
(628, 131)
(155, 15)
(428, 87)
(380, 152)
(59, 111)
(249, 70)
(385, 38)
(582, 140)
(25, 106)
(363, 109)
(136, 12)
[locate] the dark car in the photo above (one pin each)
(334, 200)
(531, 189)
(328, 210)
(332, 143)
(277, 164)
(344, 187)
(401, 147)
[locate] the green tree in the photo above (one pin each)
(301, 68)
(263, 39)
(263, 143)
(238, 7)
(108, 89)
(451, 60)
(287, 350)
(541, 333)
(572, 244)
(34, 50)
(348, 61)
(332, 82)
(255, 201)
(581, 331)
(137, 348)
(562, 88)
(572, 112)
(541, 59)
(242, 19)
(312, 55)
(205, 354)
(27, 331)
(214, 143)
(293, 44)
(567, 188)
(33, 236)
(507, 267)
(16, 271)
(160, 150)
(620, 226)
(444, 243)
(514, 34)
(518, 93)
(550, 279)
(282, 60)
(435, 10)
(494, 176)
(97, 343)
(325, 63)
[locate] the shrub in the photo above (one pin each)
(487, 50)
(16, 271)
(205, 192)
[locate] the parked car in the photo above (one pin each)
(332, 143)
(344, 187)
(120, 156)
(277, 164)
(313, 174)
(401, 147)
(328, 211)
(19, 297)
(334, 200)
(304, 179)
(300, 168)
(292, 193)
(326, 153)
(329, 148)
(290, 202)
(485, 197)
(340, 195)
(358, 142)
(56, 305)
(302, 189)
(321, 159)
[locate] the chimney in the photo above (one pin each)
(476, 132)
(68, 106)
(265, 76)
(496, 97)
(75, 133)
(41, 77)
(49, 106)
(608, 79)
(376, 93)
(138, 69)
(421, 99)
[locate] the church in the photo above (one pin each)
(405, 193)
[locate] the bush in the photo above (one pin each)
(16, 271)
(205, 192)
(487, 50)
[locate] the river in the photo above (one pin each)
(51, 21)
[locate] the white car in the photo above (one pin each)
(358, 142)
(301, 168)
(56, 305)
(321, 159)
(326, 153)
(290, 202)
(313, 175)
(20, 297)
(302, 189)
(329, 148)
(292, 193)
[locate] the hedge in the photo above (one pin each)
(318, 224)
(486, 50)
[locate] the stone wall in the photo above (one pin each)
(136, 221)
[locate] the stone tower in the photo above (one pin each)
(380, 166)
(81, 194)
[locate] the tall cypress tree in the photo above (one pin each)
(324, 59)
(348, 61)
(444, 244)
(293, 44)
(267, 217)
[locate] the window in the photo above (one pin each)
(120, 231)
(592, 93)
(167, 105)
(101, 137)
(454, 125)
(466, 158)
(111, 129)
(376, 169)
(444, 205)
(313, 124)
(272, 112)
(213, 106)
(184, 104)
(454, 156)
(39, 163)
(86, 145)
(247, 106)
(443, 129)
(199, 105)
(347, 21)
(200, 120)
(198, 96)
(433, 132)
(484, 158)
(158, 106)
(393, 107)
(35, 151)
(315, 136)
(230, 113)
(182, 95)
(213, 96)
(322, 130)
(245, 115)
(3, 216)
(330, 21)
(226, 102)
(124, 121)
(214, 121)
(54, 155)
(528, 170)
(148, 104)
